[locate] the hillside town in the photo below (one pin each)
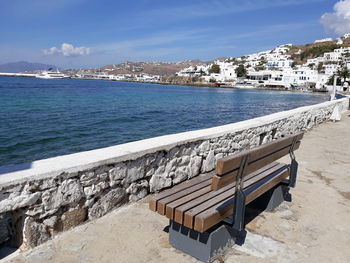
(285, 67)
(309, 68)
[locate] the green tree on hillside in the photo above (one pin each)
(263, 61)
(241, 71)
(331, 80)
(312, 65)
(317, 51)
(215, 68)
(320, 67)
(344, 73)
(259, 67)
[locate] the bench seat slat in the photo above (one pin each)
(179, 211)
(177, 188)
(170, 207)
(190, 215)
(161, 205)
(183, 205)
(212, 216)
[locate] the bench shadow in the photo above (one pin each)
(259, 205)
(166, 229)
(252, 213)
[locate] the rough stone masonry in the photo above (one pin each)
(37, 209)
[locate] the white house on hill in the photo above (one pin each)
(279, 63)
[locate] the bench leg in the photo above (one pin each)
(239, 211)
(279, 194)
(293, 173)
(206, 246)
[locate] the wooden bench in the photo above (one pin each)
(198, 207)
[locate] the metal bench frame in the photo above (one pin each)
(240, 196)
(213, 242)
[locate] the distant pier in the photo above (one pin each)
(30, 75)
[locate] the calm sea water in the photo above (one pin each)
(45, 118)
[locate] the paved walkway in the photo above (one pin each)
(313, 228)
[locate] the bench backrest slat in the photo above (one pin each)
(227, 168)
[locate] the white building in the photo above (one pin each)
(227, 72)
(339, 41)
(122, 77)
(342, 50)
(279, 63)
(193, 71)
(315, 61)
(277, 56)
(321, 81)
(288, 77)
(300, 76)
(253, 63)
(323, 40)
(331, 69)
(263, 76)
(281, 49)
(346, 61)
(147, 78)
(332, 56)
(187, 72)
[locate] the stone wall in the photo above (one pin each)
(45, 197)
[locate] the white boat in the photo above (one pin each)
(51, 75)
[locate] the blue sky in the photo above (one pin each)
(96, 33)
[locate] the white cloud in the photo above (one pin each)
(338, 22)
(51, 51)
(68, 50)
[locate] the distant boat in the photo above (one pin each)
(307, 90)
(51, 75)
(245, 85)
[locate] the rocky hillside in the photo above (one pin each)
(153, 68)
(301, 53)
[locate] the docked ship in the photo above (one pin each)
(51, 75)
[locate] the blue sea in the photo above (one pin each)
(45, 118)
